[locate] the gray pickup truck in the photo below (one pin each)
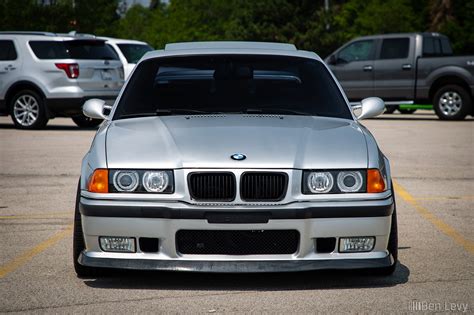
(407, 69)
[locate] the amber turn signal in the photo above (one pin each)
(99, 181)
(375, 182)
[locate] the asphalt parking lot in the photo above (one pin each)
(433, 168)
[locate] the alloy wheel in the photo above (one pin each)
(26, 110)
(450, 103)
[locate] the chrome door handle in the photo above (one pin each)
(406, 66)
(368, 68)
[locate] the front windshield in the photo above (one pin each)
(232, 84)
(133, 52)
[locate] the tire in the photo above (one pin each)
(28, 110)
(390, 109)
(406, 111)
(86, 122)
(78, 244)
(452, 102)
(392, 246)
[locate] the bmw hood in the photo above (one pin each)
(284, 142)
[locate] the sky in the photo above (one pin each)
(144, 3)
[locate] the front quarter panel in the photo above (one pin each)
(375, 157)
(96, 157)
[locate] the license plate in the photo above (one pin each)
(106, 75)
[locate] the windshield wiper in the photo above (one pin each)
(182, 111)
(135, 115)
(276, 111)
(169, 112)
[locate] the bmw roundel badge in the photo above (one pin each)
(238, 157)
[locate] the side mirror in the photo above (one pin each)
(94, 108)
(371, 107)
(331, 60)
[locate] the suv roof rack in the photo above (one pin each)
(81, 35)
(27, 33)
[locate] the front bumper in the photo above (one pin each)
(163, 220)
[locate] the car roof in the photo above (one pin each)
(121, 40)
(391, 35)
(230, 47)
(50, 36)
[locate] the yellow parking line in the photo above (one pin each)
(28, 255)
(438, 223)
(445, 198)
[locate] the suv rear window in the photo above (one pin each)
(73, 49)
(232, 84)
(7, 50)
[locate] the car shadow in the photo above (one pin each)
(312, 280)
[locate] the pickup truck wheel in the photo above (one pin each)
(452, 102)
(28, 111)
(390, 109)
(392, 243)
(86, 122)
(78, 244)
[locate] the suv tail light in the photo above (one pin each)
(71, 69)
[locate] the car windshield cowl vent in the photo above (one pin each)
(206, 116)
(263, 116)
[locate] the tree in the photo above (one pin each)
(301, 22)
(135, 24)
(458, 27)
(31, 15)
(95, 16)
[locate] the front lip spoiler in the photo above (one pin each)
(249, 266)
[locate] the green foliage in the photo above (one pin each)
(95, 16)
(303, 22)
(460, 29)
(59, 16)
(135, 24)
(362, 17)
(23, 15)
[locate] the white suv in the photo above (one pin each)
(129, 51)
(47, 75)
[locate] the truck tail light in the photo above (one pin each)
(71, 69)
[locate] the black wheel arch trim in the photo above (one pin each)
(27, 85)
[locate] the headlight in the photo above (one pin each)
(350, 181)
(141, 181)
(320, 182)
(334, 181)
(126, 181)
(155, 181)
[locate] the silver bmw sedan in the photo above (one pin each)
(234, 157)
